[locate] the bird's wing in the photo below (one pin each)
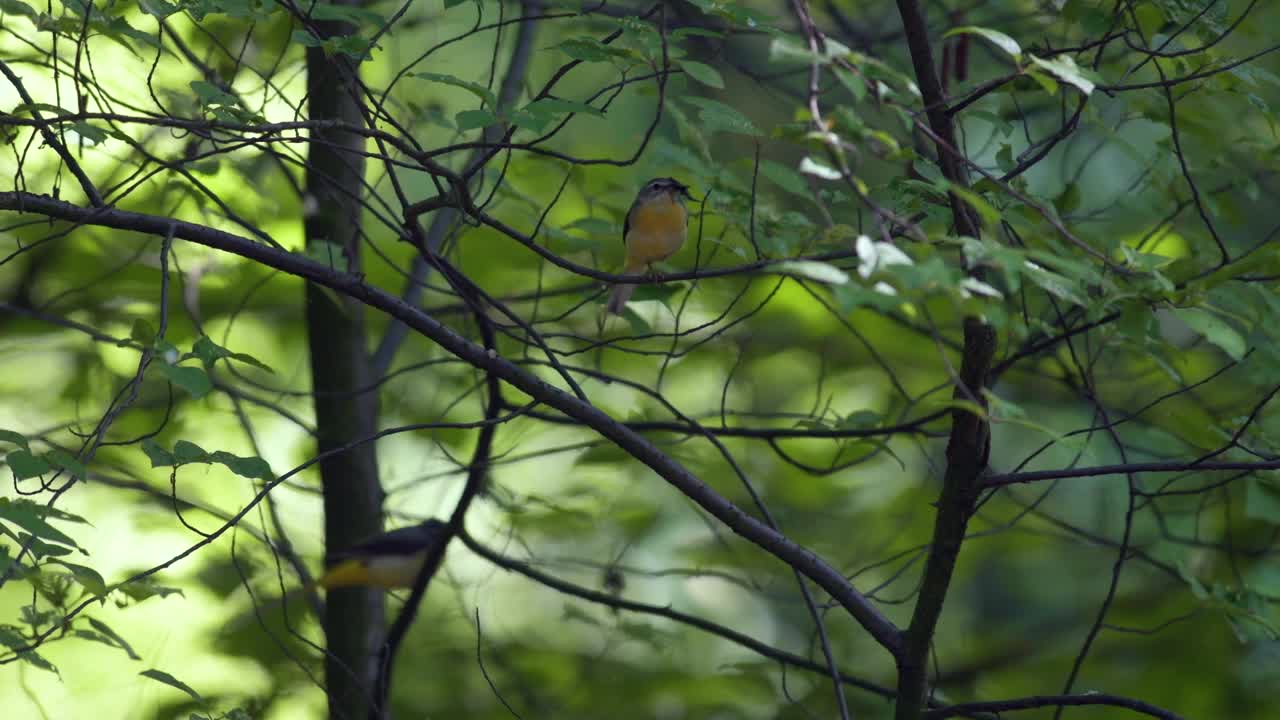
(403, 541)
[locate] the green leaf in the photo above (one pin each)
(114, 636)
(330, 254)
(1262, 500)
(353, 14)
(16, 643)
(818, 169)
(716, 116)
(15, 438)
(704, 74)
(171, 681)
(87, 577)
(480, 91)
(27, 515)
(1215, 330)
(146, 588)
(254, 468)
(14, 7)
(586, 49)
(159, 456)
(1066, 70)
(784, 177)
(209, 352)
(210, 94)
(997, 38)
(185, 452)
(192, 379)
(158, 8)
(68, 462)
(560, 106)
(188, 452)
(142, 333)
(25, 465)
(814, 270)
(474, 119)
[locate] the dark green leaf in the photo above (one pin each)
(87, 577)
(68, 462)
(477, 89)
(474, 119)
(171, 681)
(25, 465)
(10, 436)
(192, 379)
(704, 74)
(717, 116)
(27, 515)
(249, 467)
(16, 643)
(15, 7)
(209, 352)
(159, 456)
(114, 636)
(188, 452)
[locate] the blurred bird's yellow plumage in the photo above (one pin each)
(654, 230)
(390, 560)
(389, 572)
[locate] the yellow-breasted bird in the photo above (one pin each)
(389, 560)
(654, 229)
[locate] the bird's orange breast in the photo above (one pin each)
(656, 230)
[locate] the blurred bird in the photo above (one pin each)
(654, 229)
(390, 560)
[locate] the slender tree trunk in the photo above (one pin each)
(354, 617)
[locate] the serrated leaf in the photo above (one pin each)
(171, 681)
(703, 73)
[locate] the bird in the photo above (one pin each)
(654, 229)
(389, 560)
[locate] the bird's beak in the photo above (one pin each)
(684, 190)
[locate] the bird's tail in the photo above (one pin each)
(622, 293)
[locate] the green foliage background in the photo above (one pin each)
(835, 340)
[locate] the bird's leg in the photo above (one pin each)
(651, 273)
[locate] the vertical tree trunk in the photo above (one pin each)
(354, 617)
